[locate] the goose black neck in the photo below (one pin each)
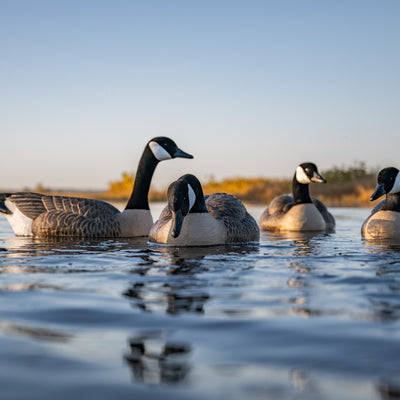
(301, 193)
(392, 202)
(140, 193)
(200, 205)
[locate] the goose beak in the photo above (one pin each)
(177, 222)
(181, 154)
(317, 178)
(379, 191)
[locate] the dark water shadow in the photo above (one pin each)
(388, 390)
(155, 360)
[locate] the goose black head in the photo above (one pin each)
(388, 183)
(164, 148)
(308, 172)
(182, 196)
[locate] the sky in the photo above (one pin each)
(250, 88)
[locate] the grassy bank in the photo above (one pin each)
(346, 187)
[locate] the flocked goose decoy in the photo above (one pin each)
(34, 214)
(299, 212)
(190, 219)
(384, 220)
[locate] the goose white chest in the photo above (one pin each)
(135, 222)
(198, 229)
(383, 224)
(303, 217)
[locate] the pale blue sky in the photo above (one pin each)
(250, 88)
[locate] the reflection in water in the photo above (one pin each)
(19, 246)
(302, 382)
(181, 256)
(21, 286)
(174, 299)
(186, 293)
(30, 255)
(388, 390)
(155, 361)
(385, 301)
(380, 245)
(305, 243)
(232, 318)
(34, 332)
(385, 308)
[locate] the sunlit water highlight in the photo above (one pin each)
(294, 317)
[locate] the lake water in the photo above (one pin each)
(306, 317)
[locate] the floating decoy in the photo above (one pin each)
(384, 220)
(299, 212)
(34, 214)
(190, 219)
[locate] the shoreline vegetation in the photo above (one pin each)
(347, 187)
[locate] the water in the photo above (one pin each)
(295, 317)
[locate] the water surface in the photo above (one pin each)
(294, 317)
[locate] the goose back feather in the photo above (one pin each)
(239, 224)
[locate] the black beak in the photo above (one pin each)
(317, 178)
(181, 154)
(177, 222)
(379, 191)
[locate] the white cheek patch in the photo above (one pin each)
(192, 197)
(159, 152)
(301, 176)
(396, 185)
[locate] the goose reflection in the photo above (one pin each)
(33, 255)
(388, 390)
(167, 298)
(305, 243)
(385, 302)
(382, 245)
(177, 255)
(173, 283)
(20, 246)
(156, 361)
(173, 260)
(33, 332)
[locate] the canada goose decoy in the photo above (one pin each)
(190, 219)
(384, 220)
(34, 214)
(299, 212)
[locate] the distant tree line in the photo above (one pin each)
(347, 174)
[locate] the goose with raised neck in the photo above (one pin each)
(34, 214)
(299, 211)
